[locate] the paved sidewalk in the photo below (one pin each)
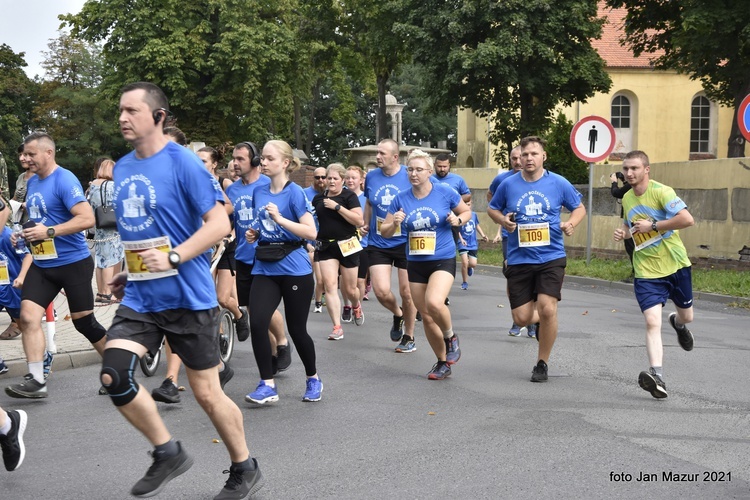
(73, 350)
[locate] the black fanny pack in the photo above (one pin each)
(267, 251)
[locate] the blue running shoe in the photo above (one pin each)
(471, 271)
(439, 371)
(531, 331)
(452, 350)
(3, 367)
(515, 331)
(464, 286)
(313, 390)
(47, 366)
(406, 345)
(263, 394)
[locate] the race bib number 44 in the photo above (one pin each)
(533, 235)
(137, 270)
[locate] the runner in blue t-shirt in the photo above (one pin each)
(282, 222)
(247, 165)
(59, 213)
(443, 174)
(528, 205)
(13, 269)
(381, 187)
(169, 213)
(425, 215)
(502, 234)
(468, 247)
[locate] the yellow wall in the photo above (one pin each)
(662, 120)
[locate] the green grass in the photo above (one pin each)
(725, 282)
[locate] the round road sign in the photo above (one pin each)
(592, 139)
(743, 117)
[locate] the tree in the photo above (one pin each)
(227, 65)
(709, 41)
(17, 94)
(370, 24)
(560, 156)
(513, 61)
(410, 85)
(72, 108)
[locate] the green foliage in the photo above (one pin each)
(512, 61)
(710, 41)
(17, 94)
(560, 156)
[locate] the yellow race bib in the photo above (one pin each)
(45, 250)
(422, 242)
(137, 270)
(349, 246)
(533, 235)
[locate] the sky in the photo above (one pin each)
(28, 25)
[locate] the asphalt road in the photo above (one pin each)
(383, 430)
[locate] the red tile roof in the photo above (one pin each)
(614, 54)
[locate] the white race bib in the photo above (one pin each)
(533, 235)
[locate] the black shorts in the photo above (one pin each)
(42, 284)
(227, 258)
(364, 264)
(472, 253)
(243, 280)
(192, 335)
(527, 281)
(419, 271)
(331, 250)
(395, 256)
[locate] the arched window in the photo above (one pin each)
(621, 112)
(700, 125)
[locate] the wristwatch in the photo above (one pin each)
(337, 207)
(460, 221)
(653, 226)
(50, 232)
(174, 259)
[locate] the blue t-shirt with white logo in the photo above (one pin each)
(499, 178)
(427, 218)
(10, 297)
(469, 234)
(293, 204)
(158, 199)
(49, 202)
(241, 196)
(380, 191)
(538, 237)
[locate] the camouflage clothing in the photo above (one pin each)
(4, 187)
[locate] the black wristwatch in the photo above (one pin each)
(653, 226)
(337, 207)
(174, 259)
(50, 232)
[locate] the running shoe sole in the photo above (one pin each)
(648, 384)
(269, 399)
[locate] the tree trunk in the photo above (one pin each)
(297, 124)
(382, 121)
(311, 117)
(736, 142)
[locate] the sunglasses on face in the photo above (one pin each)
(319, 177)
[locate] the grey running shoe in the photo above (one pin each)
(406, 345)
(452, 350)
(653, 383)
(241, 484)
(684, 336)
(29, 388)
(161, 472)
(346, 315)
(439, 371)
(167, 392)
(539, 373)
(12, 443)
(397, 330)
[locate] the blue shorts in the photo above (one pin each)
(677, 287)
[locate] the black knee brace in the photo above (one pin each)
(120, 365)
(90, 328)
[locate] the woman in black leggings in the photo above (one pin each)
(282, 222)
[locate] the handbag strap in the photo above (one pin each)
(102, 188)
